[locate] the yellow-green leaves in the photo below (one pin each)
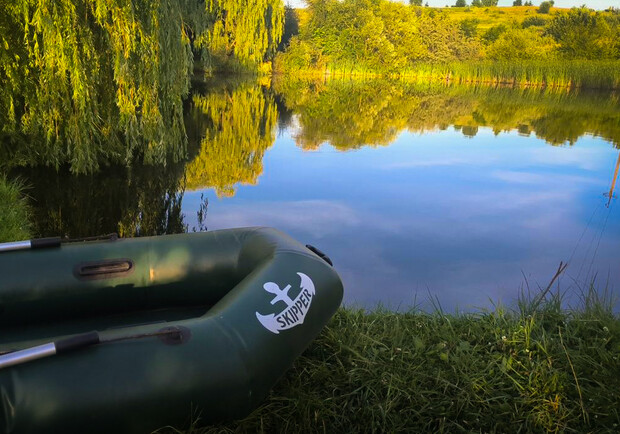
(247, 31)
(95, 81)
(242, 128)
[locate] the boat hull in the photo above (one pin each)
(213, 286)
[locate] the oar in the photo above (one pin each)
(82, 341)
(40, 243)
(49, 349)
(48, 243)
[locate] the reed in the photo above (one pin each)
(604, 74)
(14, 212)
(569, 74)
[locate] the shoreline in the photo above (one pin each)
(539, 368)
(602, 75)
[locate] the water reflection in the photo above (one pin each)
(454, 191)
(443, 214)
(351, 114)
(137, 201)
(235, 127)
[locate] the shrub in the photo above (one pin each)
(493, 33)
(533, 21)
(545, 7)
(520, 44)
(469, 26)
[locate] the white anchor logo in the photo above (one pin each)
(296, 309)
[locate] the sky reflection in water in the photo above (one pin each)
(465, 220)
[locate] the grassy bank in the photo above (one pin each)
(13, 212)
(556, 74)
(539, 368)
(582, 74)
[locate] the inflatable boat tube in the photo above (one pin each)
(190, 326)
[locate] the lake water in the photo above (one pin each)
(462, 195)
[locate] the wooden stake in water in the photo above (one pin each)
(613, 182)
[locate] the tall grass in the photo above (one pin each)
(562, 74)
(535, 368)
(14, 224)
(582, 74)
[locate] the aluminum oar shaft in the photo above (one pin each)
(45, 350)
(40, 243)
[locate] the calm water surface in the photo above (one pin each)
(463, 195)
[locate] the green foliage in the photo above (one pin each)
(365, 37)
(494, 33)
(445, 42)
(351, 114)
(469, 27)
(91, 65)
(460, 3)
(14, 212)
(241, 127)
(520, 44)
(300, 56)
(476, 3)
(517, 3)
(552, 74)
(585, 34)
(93, 82)
(533, 22)
(415, 2)
(373, 36)
(246, 31)
(545, 7)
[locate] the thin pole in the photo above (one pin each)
(178, 335)
(39, 243)
(613, 182)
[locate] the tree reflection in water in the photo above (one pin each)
(230, 125)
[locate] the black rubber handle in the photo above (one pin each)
(76, 342)
(45, 243)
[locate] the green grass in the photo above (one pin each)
(534, 369)
(554, 74)
(14, 224)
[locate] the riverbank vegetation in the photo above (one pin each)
(537, 368)
(94, 82)
(98, 83)
(14, 212)
(520, 45)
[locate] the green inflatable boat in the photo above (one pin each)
(131, 335)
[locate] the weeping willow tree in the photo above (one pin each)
(239, 128)
(247, 32)
(92, 81)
